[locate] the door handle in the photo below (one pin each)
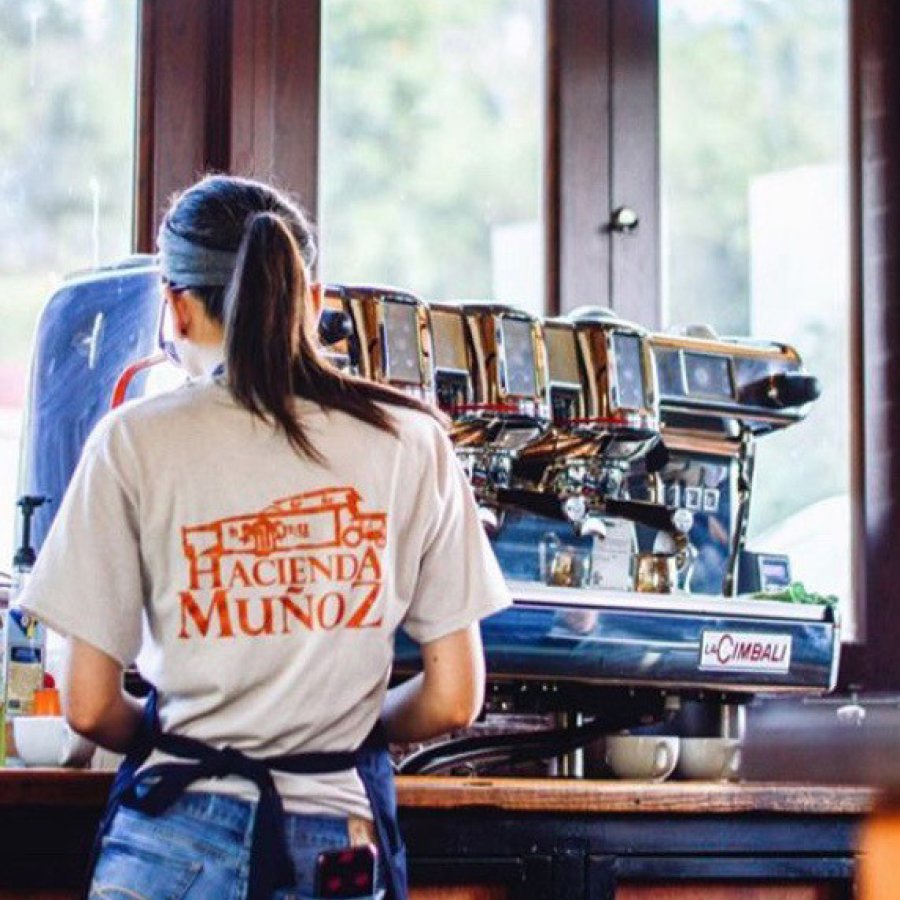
(624, 220)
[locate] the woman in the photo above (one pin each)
(254, 539)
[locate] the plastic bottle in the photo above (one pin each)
(25, 638)
(4, 612)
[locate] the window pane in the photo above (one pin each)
(67, 101)
(756, 234)
(432, 147)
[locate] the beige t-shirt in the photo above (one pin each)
(260, 591)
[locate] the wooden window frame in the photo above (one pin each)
(597, 86)
(234, 85)
(227, 86)
(874, 662)
(603, 141)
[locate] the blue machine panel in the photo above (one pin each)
(91, 329)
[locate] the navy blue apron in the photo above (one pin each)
(153, 790)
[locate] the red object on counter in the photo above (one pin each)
(46, 702)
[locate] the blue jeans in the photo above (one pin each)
(200, 848)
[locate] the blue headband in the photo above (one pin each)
(187, 264)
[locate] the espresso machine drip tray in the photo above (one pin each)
(670, 642)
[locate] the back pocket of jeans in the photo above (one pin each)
(128, 872)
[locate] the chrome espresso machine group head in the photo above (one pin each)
(603, 452)
(386, 339)
(504, 407)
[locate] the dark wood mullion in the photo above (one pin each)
(226, 85)
(853, 660)
(876, 190)
(551, 185)
(634, 159)
(251, 134)
(145, 137)
(581, 30)
(181, 82)
(180, 117)
(275, 57)
(298, 99)
(217, 152)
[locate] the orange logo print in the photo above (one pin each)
(311, 562)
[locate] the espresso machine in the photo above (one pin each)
(654, 433)
(590, 443)
(600, 438)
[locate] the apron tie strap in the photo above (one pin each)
(153, 790)
(156, 788)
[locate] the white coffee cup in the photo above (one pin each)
(47, 741)
(642, 757)
(709, 758)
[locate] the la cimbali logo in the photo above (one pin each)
(310, 562)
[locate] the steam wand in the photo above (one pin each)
(746, 465)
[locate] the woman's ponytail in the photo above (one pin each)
(272, 354)
(263, 323)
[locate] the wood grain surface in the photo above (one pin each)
(60, 894)
(457, 892)
(67, 787)
(54, 787)
(555, 795)
(707, 891)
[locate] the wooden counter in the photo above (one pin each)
(498, 839)
(598, 797)
(74, 788)
(521, 838)
(53, 787)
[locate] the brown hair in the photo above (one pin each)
(270, 346)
